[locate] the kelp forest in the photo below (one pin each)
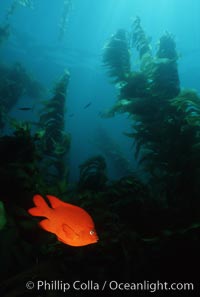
(149, 223)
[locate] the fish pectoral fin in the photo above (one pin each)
(46, 225)
(69, 231)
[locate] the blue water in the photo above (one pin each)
(35, 43)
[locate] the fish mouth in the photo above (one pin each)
(96, 239)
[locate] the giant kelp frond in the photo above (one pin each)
(136, 86)
(139, 39)
(65, 18)
(55, 142)
(21, 128)
(116, 56)
(142, 44)
(61, 86)
(161, 69)
(188, 101)
(134, 92)
(15, 4)
(167, 47)
(93, 174)
(121, 106)
(52, 117)
(138, 108)
(165, 78)
(166, 122)
(16, 82)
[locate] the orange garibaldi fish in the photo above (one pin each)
(71, 224)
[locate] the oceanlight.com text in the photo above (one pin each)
(112, 285)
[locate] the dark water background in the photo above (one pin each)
(146, 230)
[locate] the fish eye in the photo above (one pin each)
(91, 232)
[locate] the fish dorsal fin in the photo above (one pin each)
(55, 202)
(39, 201)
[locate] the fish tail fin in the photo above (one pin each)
(41, 208)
